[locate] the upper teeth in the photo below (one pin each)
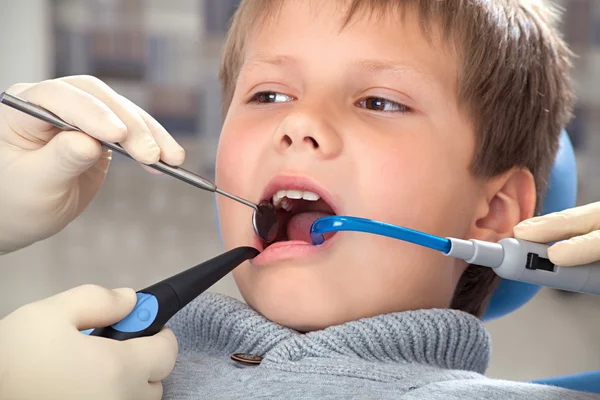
(282, 196)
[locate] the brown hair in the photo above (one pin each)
(513, 83)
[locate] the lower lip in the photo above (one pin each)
(289, 250)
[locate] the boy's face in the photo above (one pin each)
(367, 118)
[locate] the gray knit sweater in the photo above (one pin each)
(428, 354)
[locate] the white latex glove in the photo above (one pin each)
(48, 177)
(580, 226)
(44, 356)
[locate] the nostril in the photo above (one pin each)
(312, 141)
(287, 140)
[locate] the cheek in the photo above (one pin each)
(235, 164)
(419, 186)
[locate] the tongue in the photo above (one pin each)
(298, 227)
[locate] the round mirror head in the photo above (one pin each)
(265, 221)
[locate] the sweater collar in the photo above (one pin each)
(441, 338)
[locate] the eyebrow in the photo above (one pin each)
(275, 61)
(370, 66)
(378, 66)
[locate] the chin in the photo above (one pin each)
(302, 319)
(294, 301)
(300, 297)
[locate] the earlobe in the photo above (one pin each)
(508, 199)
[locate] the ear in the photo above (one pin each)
(506, 200)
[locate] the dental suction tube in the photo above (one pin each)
(512, 259)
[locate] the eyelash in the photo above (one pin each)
(379, 101)
(263, 98)
(271, 98)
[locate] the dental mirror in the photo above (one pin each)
(264, 221)
(264, 218)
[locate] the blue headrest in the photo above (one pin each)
(561, 194)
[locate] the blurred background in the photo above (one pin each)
(164, 56)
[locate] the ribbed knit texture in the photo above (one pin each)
(410, 355)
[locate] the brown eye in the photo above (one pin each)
(382, 105)
(270, 97)
(375, 103)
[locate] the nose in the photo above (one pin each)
(307, 133)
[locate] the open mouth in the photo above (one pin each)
(297, 209)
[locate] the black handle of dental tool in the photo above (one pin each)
(158, 303)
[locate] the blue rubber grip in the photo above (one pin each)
(141, 317)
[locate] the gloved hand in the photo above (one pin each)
(580, 226)
(44, 356)
(48, 177)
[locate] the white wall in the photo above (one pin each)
(25, 41)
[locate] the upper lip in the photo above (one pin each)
(294, 182)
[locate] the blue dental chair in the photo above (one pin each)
(510, 295)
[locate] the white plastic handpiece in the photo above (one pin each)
(528, 262)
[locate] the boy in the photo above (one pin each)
(441, 116)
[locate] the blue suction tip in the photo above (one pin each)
(338, 223)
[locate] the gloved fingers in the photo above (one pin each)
(104, 162)
(91, 306)
(154, 391)
(560, 225)
(73, 105)
(18, 88)
(66, 156)
(139, 142)
(579, 250)
(151, 170)
(155, 354)
(15, 90)
(170, 151)
(92, 180)
(69, 156)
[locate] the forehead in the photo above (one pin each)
(329, 32)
